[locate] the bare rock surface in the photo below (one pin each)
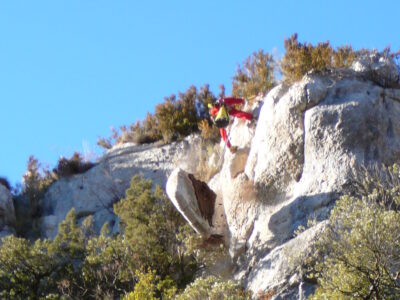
(7, 212)
(95, 191)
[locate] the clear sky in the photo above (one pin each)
(71, 69)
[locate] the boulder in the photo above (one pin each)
(198, 204)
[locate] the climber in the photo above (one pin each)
(221, 111)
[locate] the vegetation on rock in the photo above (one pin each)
(300, 58)
(359, 252)
(74, 165)
(155, 254)
(255, 77)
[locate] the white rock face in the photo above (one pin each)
(310, 138)
(7, 213)
(281, 261)
(95, 192)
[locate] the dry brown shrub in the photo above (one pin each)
(208, 132)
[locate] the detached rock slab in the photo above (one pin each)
(197, 203)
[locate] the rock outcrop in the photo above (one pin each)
(7, 213)
(310, 139)
(95, 191)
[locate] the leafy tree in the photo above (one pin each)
(108, 268)
(68, 252)
(36, 181)
(23, 268)
(151, 225)
(255, 76)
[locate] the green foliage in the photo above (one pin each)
(109, 266)
(360, 249)
(301, 58)
(27, 205)
(213, 288)
(36, 181)
(23, 267)
(69, 241)
(255, 77)
(151, 226)
(150, 287)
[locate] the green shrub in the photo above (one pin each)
(78, 264)
(151, 287)
(150, 225)
(359, 252)
(23, 266)
(213, 288)
(255, 77)
(27, 203)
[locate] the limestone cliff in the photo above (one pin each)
(309, 140)
(291, 166)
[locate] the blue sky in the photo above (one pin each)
(71, 69)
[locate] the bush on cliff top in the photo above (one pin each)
(300, 58)
(255, 77)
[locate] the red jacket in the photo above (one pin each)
(229, 102)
